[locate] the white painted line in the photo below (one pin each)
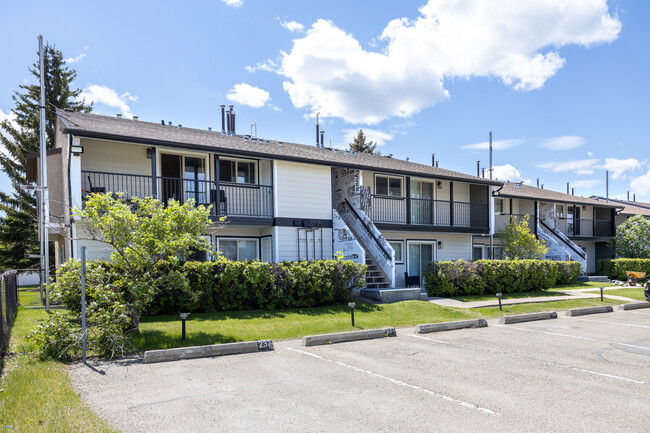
(526, 358)
(398, 382)
(550, 333)
(632, 345)
(608, 322)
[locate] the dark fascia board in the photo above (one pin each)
(179, 145)
(431, 229)
(605, 205)
(624, 203)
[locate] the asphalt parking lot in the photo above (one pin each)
(588, 373)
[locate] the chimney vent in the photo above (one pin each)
(135, 117)
(119, 115)
(433, 160)
(162, 122)
(180, 126)
(223, 121)
(209, 128)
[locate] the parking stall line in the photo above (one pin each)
(608, 322)
(397, 382)
(633, 345)
(637, 312)
(552, 333)
(530, 359)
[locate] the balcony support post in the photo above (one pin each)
(612, 223)
(217, 178)
(408, 200)
(451, 204)
(154, 174)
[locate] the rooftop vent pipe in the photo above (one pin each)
(135, 117)
(628, 196)
(322, 138)
(162, 122)
(573, 191)
(567, 187)
(478, 168)
(538, 182)
(119, 115)
(223, 119)
(317, 128)
(433, 160)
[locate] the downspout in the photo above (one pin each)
(70, 137)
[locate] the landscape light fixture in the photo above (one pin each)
(499, 296)
(351, 305)
(183, 318)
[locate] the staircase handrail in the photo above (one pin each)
(383, 251)
(578, 251)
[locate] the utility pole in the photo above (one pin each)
(44, 195)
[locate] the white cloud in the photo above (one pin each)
(496, 144)
(376, 135)
(106, 96)
(268, 66)
(292, 26)
(641, 185)
(77, 59)
(506, 172)
(565, 142)
(580, 167)
(620, 168)
(234, 3)
(515, 41)
(246, 94)
(587, 184)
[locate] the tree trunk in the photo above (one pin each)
(134, 326)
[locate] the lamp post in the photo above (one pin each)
(499, 296)
(183, 318)
(351, 305)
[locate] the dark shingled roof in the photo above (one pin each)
(629, 208)
(532, 193)
(113, 128)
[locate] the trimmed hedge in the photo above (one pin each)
(461, 278)
(226, 285)
(615, 268)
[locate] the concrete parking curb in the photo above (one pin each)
(590, 310)
(180, 353)
(343, 337)
(450, 326)
(519, 318)
(634, 306)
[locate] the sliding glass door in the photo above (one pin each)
(420, 254)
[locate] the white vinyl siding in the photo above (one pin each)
(303, 190)
(115, 157)
(288, 244)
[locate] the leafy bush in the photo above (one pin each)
(461, 278)
(615, 268)
(226, 285)
(632, 238)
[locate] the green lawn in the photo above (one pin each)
(545, 306)
(37, 395)
(628, 292)
(582, 285)
(161, 332)
(29, 296)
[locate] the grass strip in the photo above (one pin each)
(632, 293)
(37, 395)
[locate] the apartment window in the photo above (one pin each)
(398, 247)
(498, 205)
(237, 171)
(388, 185)
(559, 211)
(238, 249)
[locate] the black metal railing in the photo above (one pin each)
(503, 219)
(387, 209)
(233, 199)
(584, 227)
(131, 185)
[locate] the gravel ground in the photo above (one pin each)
(586, 374)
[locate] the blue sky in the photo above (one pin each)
(562, 84)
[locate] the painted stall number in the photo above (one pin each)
(264, 345)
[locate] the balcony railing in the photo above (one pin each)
(233, 199)
(585, 227)
(503, 219)
(441, 213)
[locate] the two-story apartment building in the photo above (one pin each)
(283, 201)
(574, 228)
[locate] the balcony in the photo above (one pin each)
(584, 227)
(428, 212)
(501, 220)
(233, 199)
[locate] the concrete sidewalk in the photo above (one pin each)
(568, 295)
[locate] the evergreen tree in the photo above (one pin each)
(360, 145)
(20, 137)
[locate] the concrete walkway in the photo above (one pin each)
(567, 295)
